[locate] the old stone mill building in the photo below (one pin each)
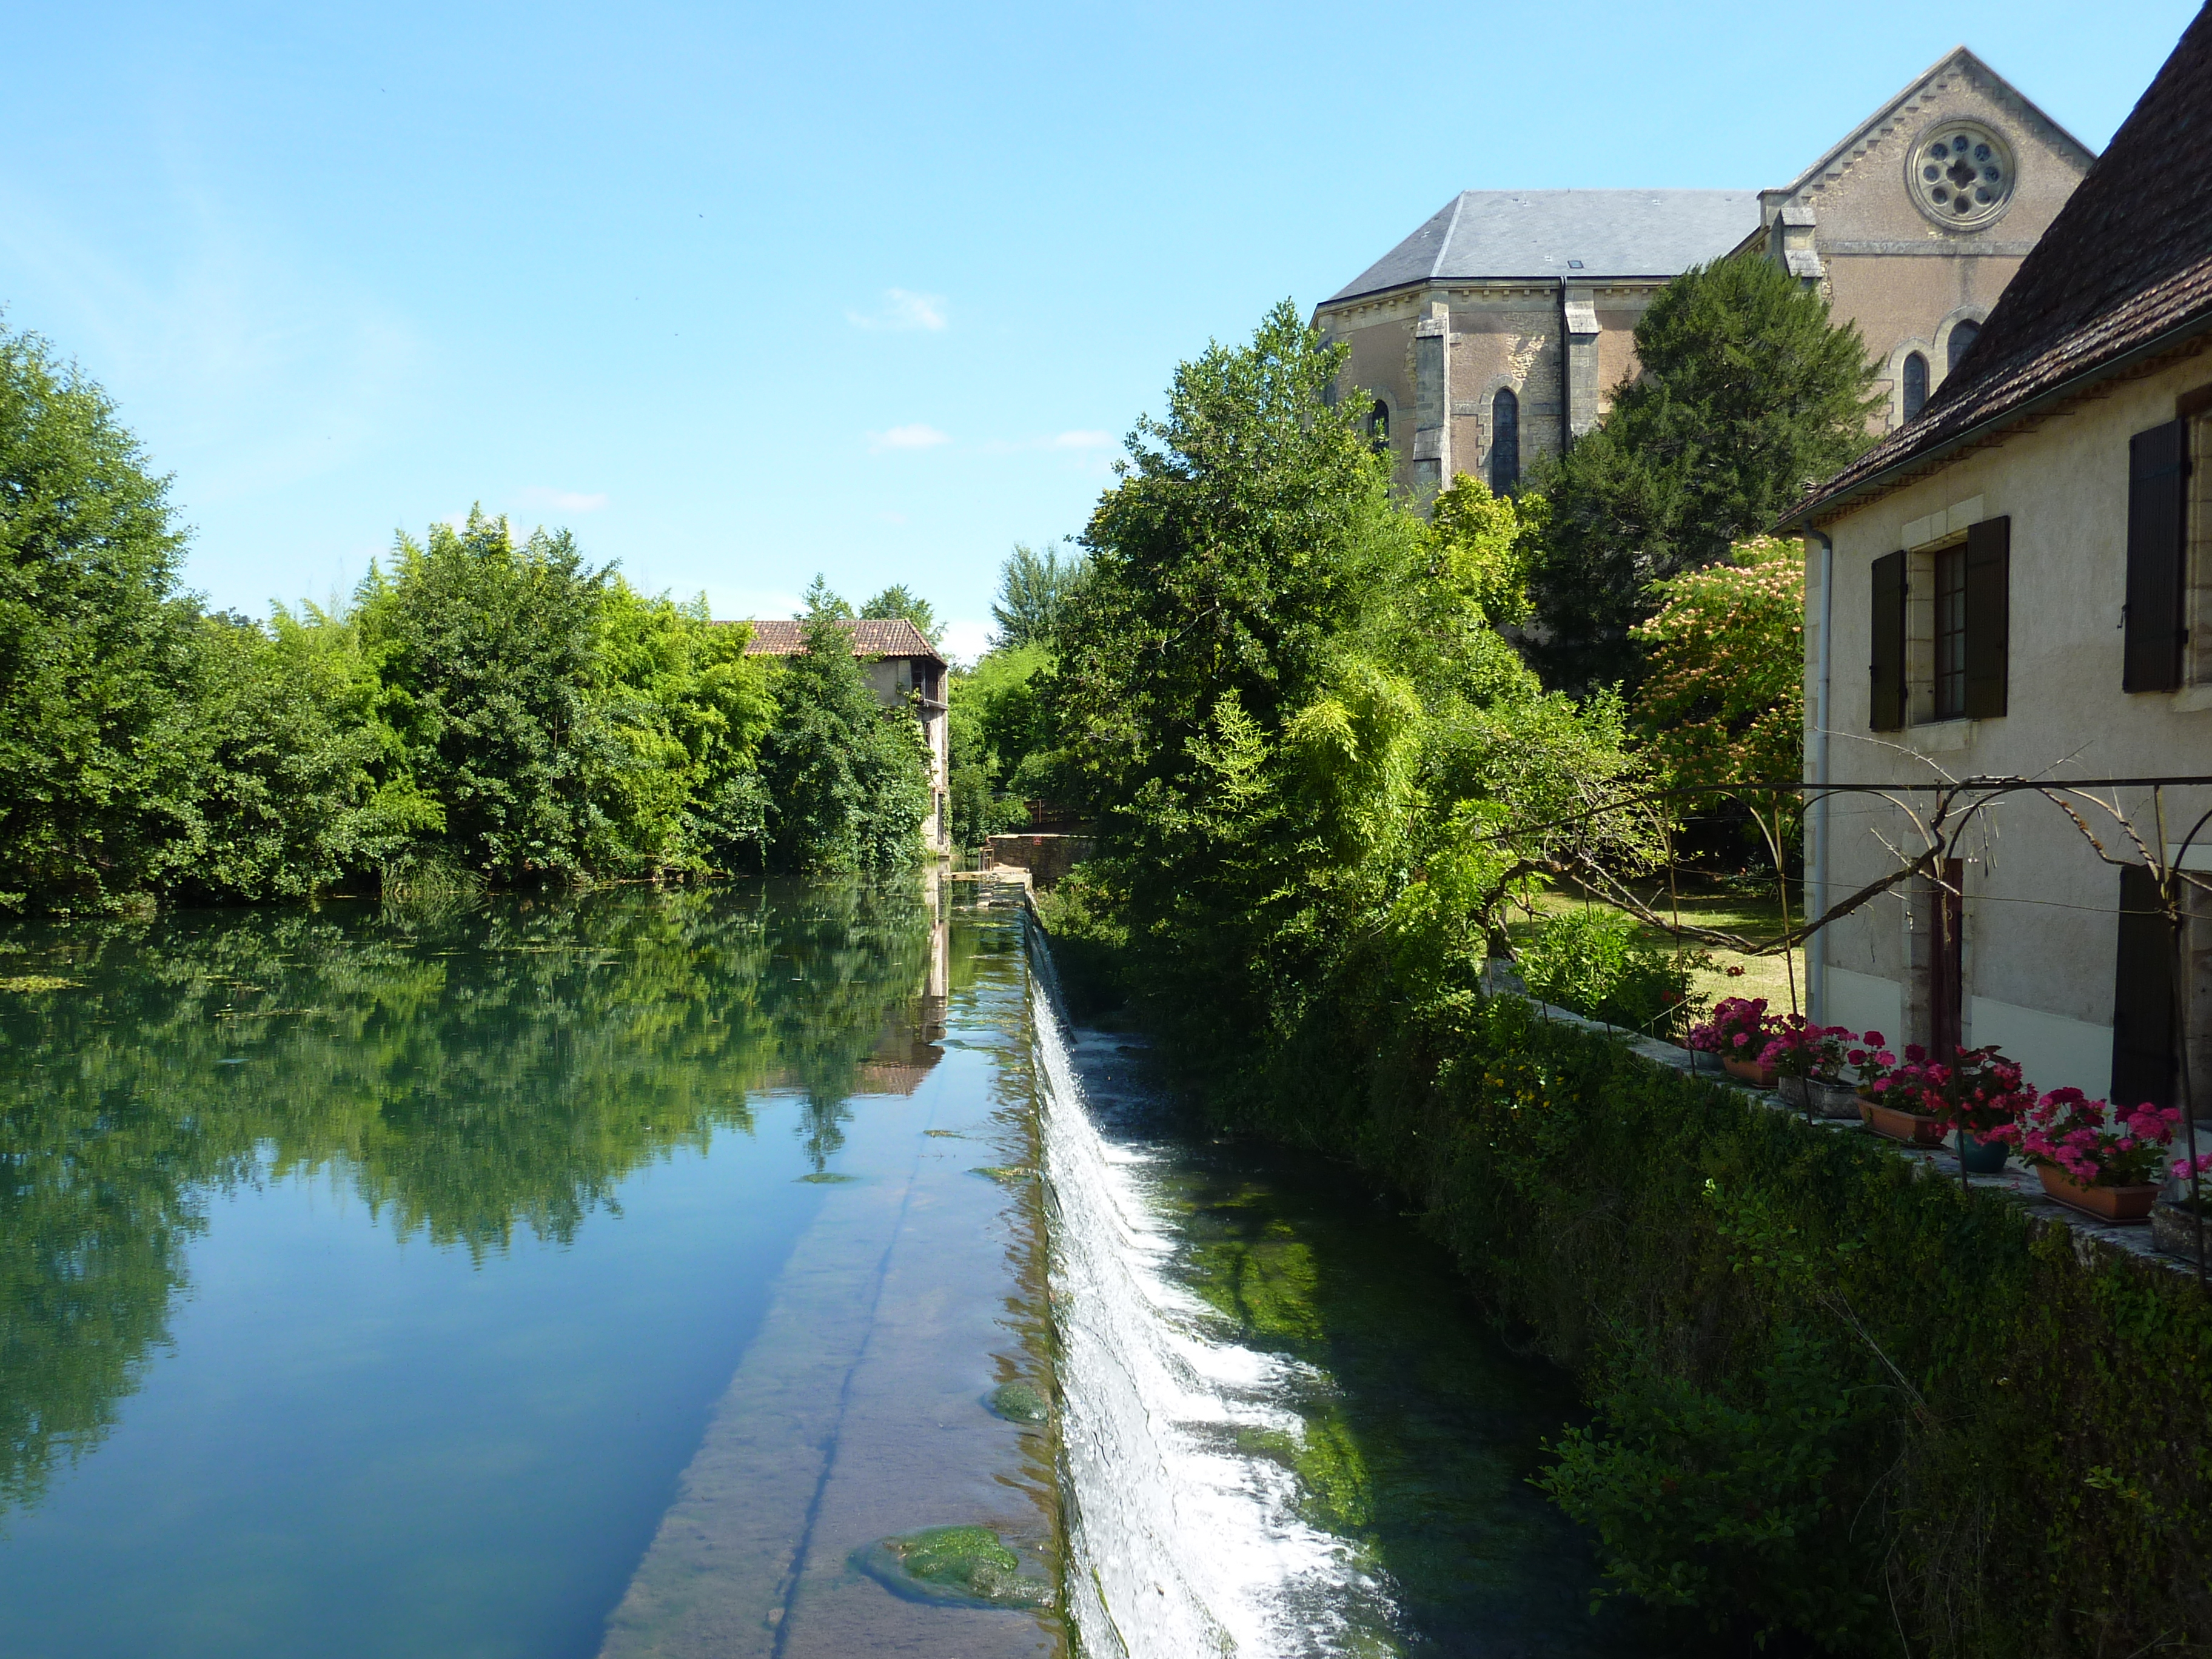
(1495, 333)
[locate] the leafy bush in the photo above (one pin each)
(1833, 1398)
(1600, 963)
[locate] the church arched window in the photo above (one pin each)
(1915, 383)
(1963, 333)
(1378, 426)
(1504, 442)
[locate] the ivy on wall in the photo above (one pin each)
(1831, 1397)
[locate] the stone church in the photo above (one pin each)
(1496, 332)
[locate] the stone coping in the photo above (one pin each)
(2017, 1182)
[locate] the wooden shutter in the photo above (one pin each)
(1887, 703)
(2156, 485)
(2142, 995)
(1989, 616)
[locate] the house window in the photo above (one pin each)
(1916, 384)
(1963, 333)
(1950, 633)
(1504, 442)
(1940, 629)
(1378, 426)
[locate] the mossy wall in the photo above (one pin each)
(1839, 1405)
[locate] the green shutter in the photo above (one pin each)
(1886, 697)
(1989, 616)
(2157, 487)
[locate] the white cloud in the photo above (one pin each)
(890, 518)
(904, 310)
(562, 501)
(916, 436)
(1083, 440)
(967, 641)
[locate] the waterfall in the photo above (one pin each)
(1182, 1541)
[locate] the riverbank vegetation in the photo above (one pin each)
(1837, 1408)
(481, 712)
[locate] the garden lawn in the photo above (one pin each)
(1701, 903)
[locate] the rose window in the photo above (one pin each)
(1962, 174)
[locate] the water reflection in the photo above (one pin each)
(465, 1072)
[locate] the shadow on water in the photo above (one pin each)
(1421, 1428)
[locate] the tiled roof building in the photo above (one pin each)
(903, 669)
(2018, 584)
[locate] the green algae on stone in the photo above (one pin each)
(1006, 1175)
(824, 1178)
(1018, 1402)
(953, 1567)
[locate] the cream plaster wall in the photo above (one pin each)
(2040, 930)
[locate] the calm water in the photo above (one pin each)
(534, 1280)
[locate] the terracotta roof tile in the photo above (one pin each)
(2125, 269)
(873, 636)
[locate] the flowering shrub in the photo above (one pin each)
(1980, 1091)
(1800, 1048)
(1870, 1059)
(2097, 1145)
(1741, 1029)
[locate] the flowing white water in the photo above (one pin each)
(1181, 1542)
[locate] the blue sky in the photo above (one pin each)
(741, 294)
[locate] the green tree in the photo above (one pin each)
(847, 781)
(1723, 701)
(996, 722)
(490, 653)
(1745, 394)
(897, 601)
(96, 648)
(1032, 587)
(290, 741)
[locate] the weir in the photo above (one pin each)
(1283, 1431)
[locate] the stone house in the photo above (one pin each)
(905, 671)
(1496, 332)
(2018, 584)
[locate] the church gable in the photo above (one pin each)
(1884, 182)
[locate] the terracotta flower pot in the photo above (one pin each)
(1908, 1127)
(2105, 1203)
(1748, 1070)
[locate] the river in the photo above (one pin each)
(644, 1274)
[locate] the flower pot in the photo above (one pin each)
(1908, 1127)
(2105, 1203)
(1748, 1070)
(1792, 1090)
(2174, 1231)
(1833, 1099)
(1979, 1157)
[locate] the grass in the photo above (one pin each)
(1702, 903)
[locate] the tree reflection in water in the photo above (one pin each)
(467, 1070)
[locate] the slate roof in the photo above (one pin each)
(1534, 233)
(871, 637)
(2125, 271)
